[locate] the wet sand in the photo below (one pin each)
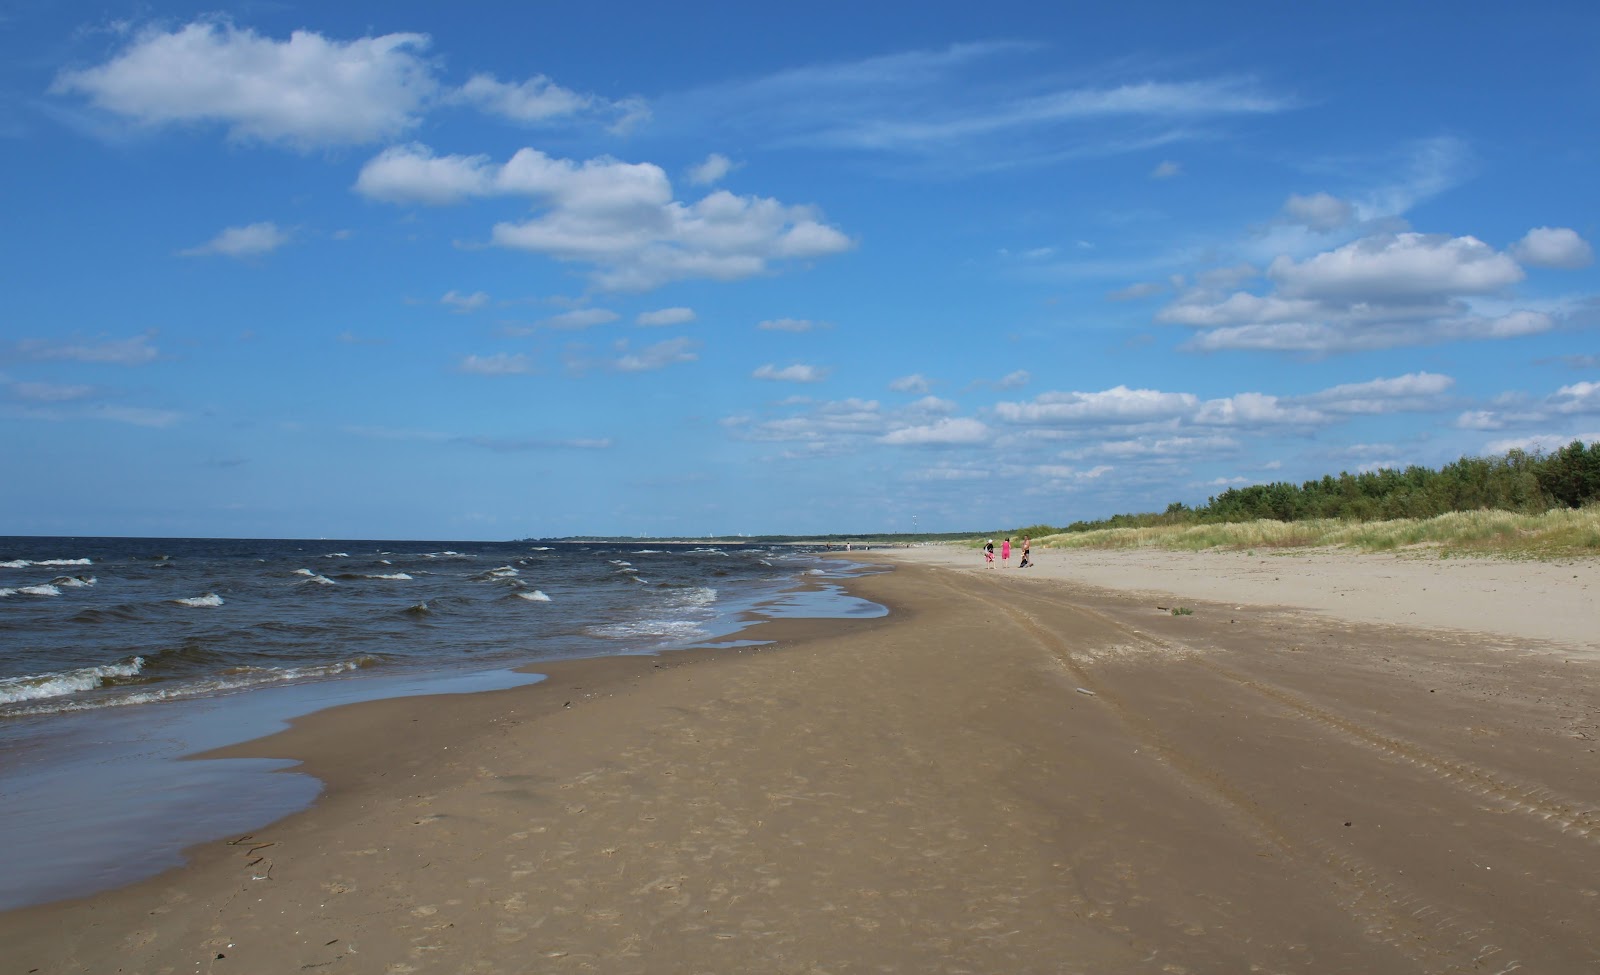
(1013, 772)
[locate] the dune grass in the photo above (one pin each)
(1562, 532)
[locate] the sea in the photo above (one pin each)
(119, 657)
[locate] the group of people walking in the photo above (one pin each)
(1005, 553)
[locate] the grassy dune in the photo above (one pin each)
(1553, 534)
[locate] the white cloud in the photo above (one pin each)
(931, 404)
(1166, 169)
(711, 171)
(247, 241)
(1352, 337)
(1133, 292)
(914, 383)
(50, 392)
(950, 430)
(535, 100)
(666, 316)
(787, 325)
(138, 416)
(1558, 247)
(796, 373)
(464, 303)
(1413, 391)
(1013, 380)
(580, 318)
(499, 364)
(135, 351)
(1256, 410)
(1405, 266)
(1480, 420)
(1577, 398)
(1320, 212)
(657, 356)
(1380, 291)
(619, 217)
(1539, 443)
(306, 91)
(1118, 404)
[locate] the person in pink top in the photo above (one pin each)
(1005, 553)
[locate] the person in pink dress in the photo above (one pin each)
(1005, 553)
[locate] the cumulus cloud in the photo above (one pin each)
(135, 351)
(305, 91)
(1543, 443)
(1402, 266)
(1557, 247)
(788, 325)
(1133, 292)
(1411, 392)
(464, 303)
(250, 240)
(666, 316)
(534, 100)
(711, 171)
(580, 318)
(914, 383)
(657, 356)
(950, 430)
(619, 217)
(1380, 291)
(1320, 212)
(499, 364)
(797, 373)
(1118, 404)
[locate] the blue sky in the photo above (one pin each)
(409, 270)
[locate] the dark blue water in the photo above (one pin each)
(118, 656)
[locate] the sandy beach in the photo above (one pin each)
(1333, 763)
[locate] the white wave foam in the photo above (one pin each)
(677, 630)
(337, 555)
(209, 599)
(25, 563)
(44, 589)
(695, 598)
(35, 687)
(304, 572)
(813, 572)
(393, 577)
(628, 571)
(648, 551)
(541, 548)
(73, 582)
(319, 580)
(244, 677)
(619, 562)
(536, 596)
(7, 592)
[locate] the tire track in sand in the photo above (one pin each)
(1439, 941)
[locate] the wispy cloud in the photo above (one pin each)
(958, 105)
(135, 351)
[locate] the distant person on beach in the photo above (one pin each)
(1005, 553)
(1027, 545)
(988, 553)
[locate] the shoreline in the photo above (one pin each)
(1004, 774)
